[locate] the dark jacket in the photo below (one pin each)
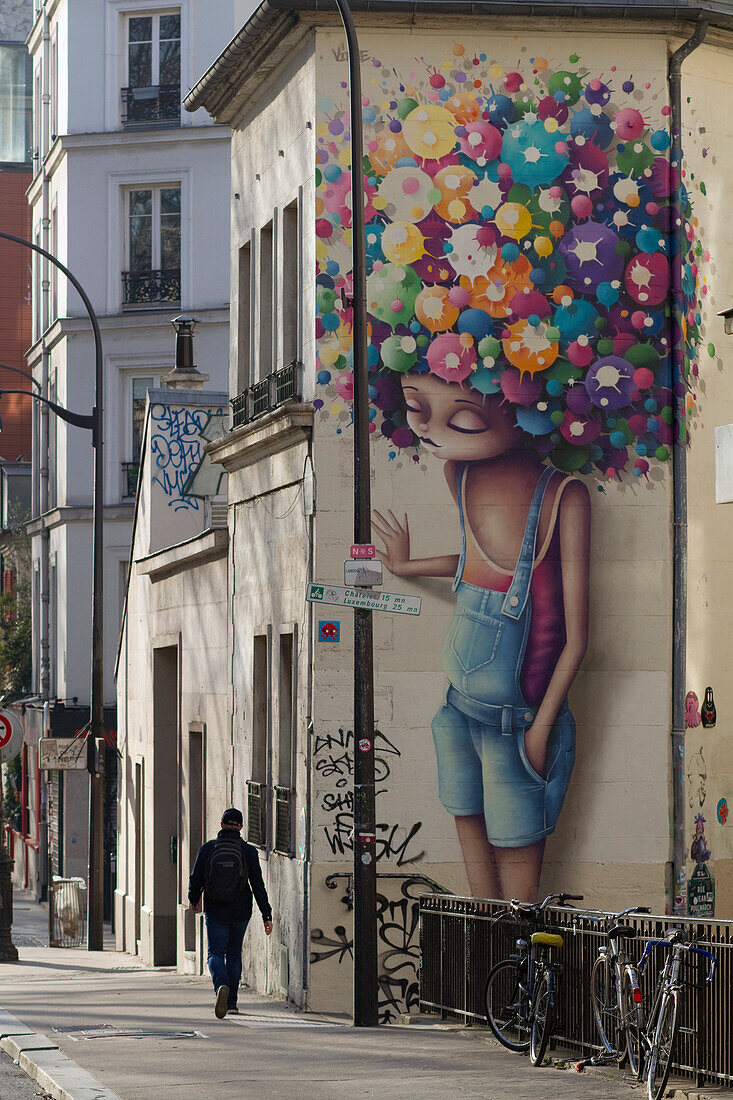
(241, 907)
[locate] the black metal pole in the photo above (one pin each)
(365, 867)
(95, 755)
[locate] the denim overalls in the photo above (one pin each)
(479, 730)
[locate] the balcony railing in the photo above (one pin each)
(147, 288)
(130, 471)
(159, 103)
(276, 389)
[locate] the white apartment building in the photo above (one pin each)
(132, 194)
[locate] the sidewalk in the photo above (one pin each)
(99, 1026)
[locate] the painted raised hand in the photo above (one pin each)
(396, 539)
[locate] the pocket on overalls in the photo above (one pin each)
(472, 641)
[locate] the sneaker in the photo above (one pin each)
(220, 1008)
(232, 1009)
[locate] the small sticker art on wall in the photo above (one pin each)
(329, 631)
(701, 893)
(692, 711)
(699, 850)
(519, 234)
(709, 714)
(722, 810)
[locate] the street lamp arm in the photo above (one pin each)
(25, 373)
(72, 279)
(79, 420)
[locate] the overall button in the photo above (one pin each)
(514, 600)
(528, 716)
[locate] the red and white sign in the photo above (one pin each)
(11, 736)
(363, 550)
(367, 838)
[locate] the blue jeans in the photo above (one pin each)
(225, 954)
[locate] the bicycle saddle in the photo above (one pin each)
(547, 939)
(620, 930)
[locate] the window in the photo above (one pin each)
(153, 93)
(153, 246)
(244, 305)
(138, 396)
(54, 270)
(266, 241)
(284, 800)
(291, 283)
(257, 786)
(15, 105)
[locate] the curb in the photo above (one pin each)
(43, 1061)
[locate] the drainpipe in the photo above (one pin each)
(679, 469)
(44, 439)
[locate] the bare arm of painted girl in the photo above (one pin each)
(574, 521)
(396, 554)
(396, 538)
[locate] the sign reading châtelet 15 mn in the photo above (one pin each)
(359, 597)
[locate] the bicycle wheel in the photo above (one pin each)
(660, 1058)
(632, 1023)
(506, 1005)
(603, 996)
(543, 1019)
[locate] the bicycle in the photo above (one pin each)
(520, 995)
(660, 1031)
(616, 996)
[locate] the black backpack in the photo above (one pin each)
(226, 873)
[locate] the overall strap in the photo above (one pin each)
(516, 598)
(460, 477)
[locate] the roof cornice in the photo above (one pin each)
(273, 21)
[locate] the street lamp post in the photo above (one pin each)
(365, 863)
(96, 732)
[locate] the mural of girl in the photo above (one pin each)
(504, 737)
(519, 247)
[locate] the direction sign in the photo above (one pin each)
(360, 597)
(11, 736)
(67, 753)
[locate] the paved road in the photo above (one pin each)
(15, 1084)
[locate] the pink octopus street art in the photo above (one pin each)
(519, 240)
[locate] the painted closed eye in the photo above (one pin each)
(468, 422)
(413, 409)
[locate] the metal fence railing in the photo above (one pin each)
(460, 939)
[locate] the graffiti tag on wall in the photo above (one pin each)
(176, 448)
(334, 760)
(398, 929)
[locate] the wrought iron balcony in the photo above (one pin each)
(276, 389)
(130, 470)
(147, 288)
(160, 103)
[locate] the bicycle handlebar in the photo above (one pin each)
(539, 907)
(651, 944)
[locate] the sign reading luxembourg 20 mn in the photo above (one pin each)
(360, 597)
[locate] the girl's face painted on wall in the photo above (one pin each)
(456, 423)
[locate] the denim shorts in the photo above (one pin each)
(483, 768)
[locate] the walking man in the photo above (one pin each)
(227, 871)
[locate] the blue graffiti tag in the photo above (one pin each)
(175, 445)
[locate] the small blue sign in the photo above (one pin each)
(329, 630)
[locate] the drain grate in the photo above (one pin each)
(112, 1031)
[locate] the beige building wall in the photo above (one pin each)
(708, 752)
(174, 700)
